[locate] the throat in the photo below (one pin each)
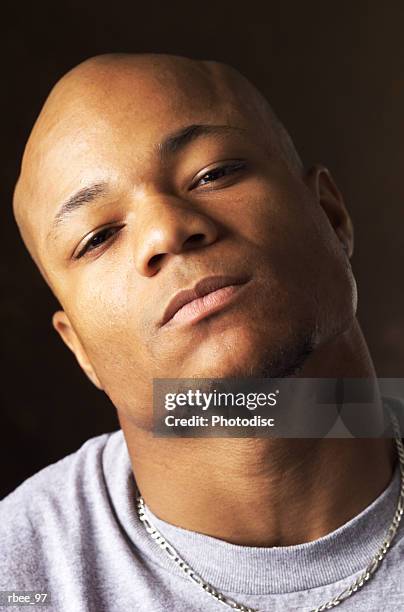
(264, 492)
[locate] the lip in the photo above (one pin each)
(220, 290)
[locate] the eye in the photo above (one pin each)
(219, 172)
(97, 240)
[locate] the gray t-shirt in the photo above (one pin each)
(72, 531)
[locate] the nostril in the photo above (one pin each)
(190, 242)
(156, 258)
(194, 239)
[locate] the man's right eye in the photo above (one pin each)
(97, 240)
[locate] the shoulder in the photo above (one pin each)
(41, 515)
(61, 478)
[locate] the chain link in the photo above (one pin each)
(332, 603)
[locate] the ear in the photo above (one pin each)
(320, 182)
(63, 326)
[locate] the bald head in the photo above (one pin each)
(99, 93)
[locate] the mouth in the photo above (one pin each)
(209, 295)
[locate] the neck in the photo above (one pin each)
(255, 491)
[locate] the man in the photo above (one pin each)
(144, 176)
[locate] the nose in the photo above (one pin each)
(167, 228)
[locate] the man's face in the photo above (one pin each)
(215, 201)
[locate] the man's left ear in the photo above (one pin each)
(320, 182)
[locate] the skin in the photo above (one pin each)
(285, 228)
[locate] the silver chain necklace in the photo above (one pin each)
(332, 603)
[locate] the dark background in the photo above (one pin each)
(333, 72)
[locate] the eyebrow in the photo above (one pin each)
(86, 195)
(171, 145)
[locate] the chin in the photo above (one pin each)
(241, 354)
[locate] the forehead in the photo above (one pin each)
(94, 114)
(118, 104)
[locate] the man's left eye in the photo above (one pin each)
(219, 172)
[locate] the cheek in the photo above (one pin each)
(270, 212)
(107, 320)
(296, 254)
